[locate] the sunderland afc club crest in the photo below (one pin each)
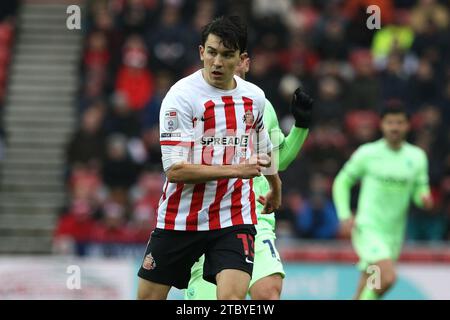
(248, 118)
(170, 120)
(149, 263)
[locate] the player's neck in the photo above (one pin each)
(229, 85)
(394, 145)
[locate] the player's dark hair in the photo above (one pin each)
(230, 29)
(394, 107)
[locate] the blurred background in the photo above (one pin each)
(80, 162)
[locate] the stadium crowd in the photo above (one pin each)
(136, 49)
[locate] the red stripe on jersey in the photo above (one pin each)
(165, 190)
(209, 129)
(251, 198)
(177, 143)
(236, 205)
(248, 106)
(163, 197)
(172, 207)
(196, 205)
(230, 117)
(214, 208)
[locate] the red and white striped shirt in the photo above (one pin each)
(205, 125)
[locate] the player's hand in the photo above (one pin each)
(264, 160)
(301, 108)
(248, 170)
(428, 202)
(346, 227)
(271, 202)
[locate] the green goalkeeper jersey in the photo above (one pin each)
(285, 150)
(389, 180)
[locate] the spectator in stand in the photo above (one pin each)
(329, 104)
(397, 37)
(97, 54)
(168, 42)
(265, 73)
(120, 118)
(74, 230)
(317, 218)
(356, 13)
(432, 43)
(330, 37)
(135, 16)
(134, 80)
(85, 185)
(150, 115)
(88, 143)
(119, 171)
(112, 228)
(103, 22)
(393, 80)
(429, 134)
(422, 86)
(364, 89)
(429, 10)
(326, 148)
(361, 126)
(145, 197)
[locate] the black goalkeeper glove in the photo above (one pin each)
(301, 108)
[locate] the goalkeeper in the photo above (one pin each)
(268, 273)
(392, 172)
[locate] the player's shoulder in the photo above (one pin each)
(251, 89)
(185, 85)
(369, 147)
(415, 151)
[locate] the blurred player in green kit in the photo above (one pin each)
(392, 172)
(268, 273)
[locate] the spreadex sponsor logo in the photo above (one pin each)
(241, 141)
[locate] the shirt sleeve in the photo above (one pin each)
(346, 178)
(421, 186)
(175, 128)
(356, 165)
(284, 149)
(263, 144)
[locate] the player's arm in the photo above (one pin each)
(289, 147)
(184, 172)
(346, 178)
(272, 200)
(264, 150)
(421, 193)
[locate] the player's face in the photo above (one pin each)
(395, 127)
(219, 63)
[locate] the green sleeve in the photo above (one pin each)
(285, 148)
(346, 178)
(421, 187)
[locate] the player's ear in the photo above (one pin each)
(201, 51)
(243, 56)
(245, 62)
